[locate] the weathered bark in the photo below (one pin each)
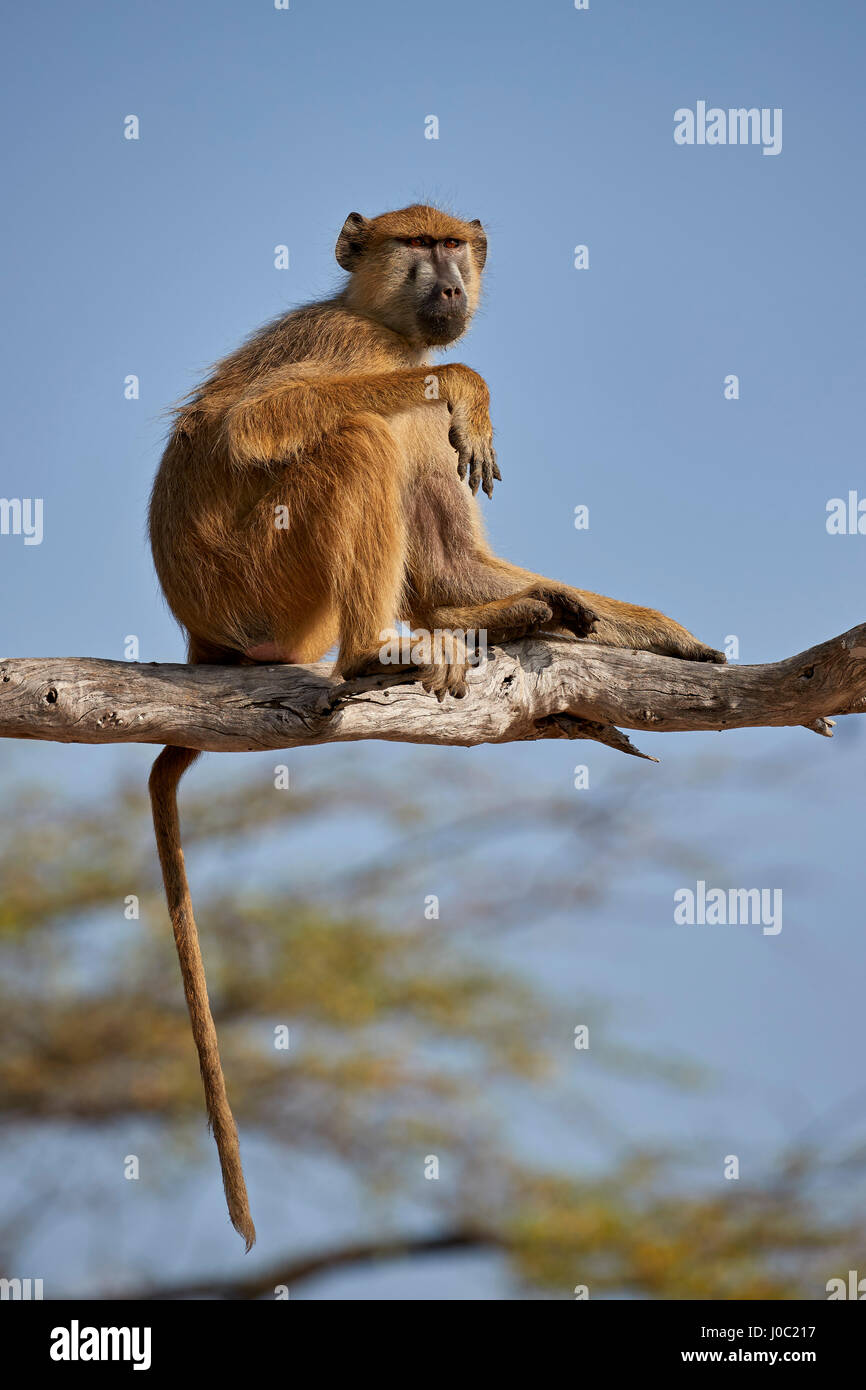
(537, 688)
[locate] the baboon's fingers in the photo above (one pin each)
(491, 472)
(487, 476)
(463, 460)
(455, 439)
(475, 475)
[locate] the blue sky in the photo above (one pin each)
(261, 127)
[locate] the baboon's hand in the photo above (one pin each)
(471, 432)
(476, 458)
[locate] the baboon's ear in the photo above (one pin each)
(480, 243)
(352, 241)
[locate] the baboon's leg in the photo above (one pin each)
(489, 595)
(334, 566)
(458, 632)
(617, 624)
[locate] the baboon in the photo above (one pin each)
(321, 484)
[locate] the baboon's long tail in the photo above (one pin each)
(167, 771)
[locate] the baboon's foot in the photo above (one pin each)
(565, 611)
(371, 664)
(699, 651)
(666, 638)
(677, 641)
(443, 678)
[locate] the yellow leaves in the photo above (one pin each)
(627, 1234)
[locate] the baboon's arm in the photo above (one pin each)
(282, 416)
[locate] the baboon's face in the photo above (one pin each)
(433, 275)
(418, 271)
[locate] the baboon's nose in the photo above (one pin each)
(450, 293)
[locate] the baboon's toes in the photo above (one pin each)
(393, 672)
(532, 613)
(577, 618)
(363, 666)
(691, 650)
(443, 680)
(568, 612)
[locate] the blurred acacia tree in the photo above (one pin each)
(408, 1037)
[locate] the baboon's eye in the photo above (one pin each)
(451, 242)
(418, 241)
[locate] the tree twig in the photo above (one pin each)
(291, 1272)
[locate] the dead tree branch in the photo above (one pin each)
(552, 687)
